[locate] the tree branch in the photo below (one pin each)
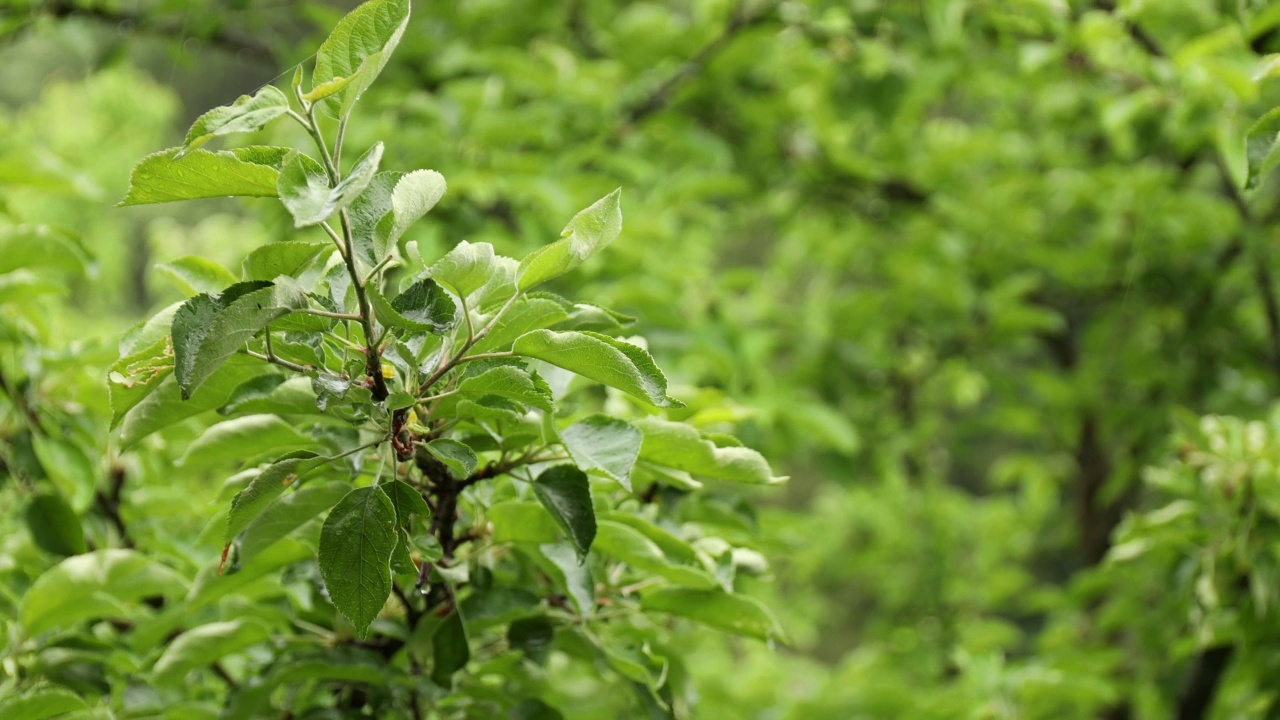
(227, 40)
(739, 21)
(1202, 683)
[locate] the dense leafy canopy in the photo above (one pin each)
(995, 285)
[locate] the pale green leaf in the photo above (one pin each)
(103, 583)
(246, 114)
(423, 307)
(465, 268)
(522, 521)
(630, 546)
(244, 437)
(737, 614)
(457, 457)
(589, 231)
(362, 42)
(272, 260)
(573, 575)
(680, 446)
(206, 644)
(165, 405)
(304, 186)
(604, 446)
(132, 378)
(287, 514)
(194, 275)
(263, 489)
(44, 701)
(601, 358)
(164, 177)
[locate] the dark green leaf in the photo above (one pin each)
(356, 543)
(406, 501)
(532, 636)
(54, 525)
(565, 492)
(450, 649)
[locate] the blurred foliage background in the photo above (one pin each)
(981, 277)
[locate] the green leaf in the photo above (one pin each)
(287, 514)
(132, 378)
(406, 501)
(54, 525)
(601, 358)
(522, 521)
(565, 492)
(460, 459)
(360, 44)
(243, 437)
(464, 269)
(628, 545)
(450, 650)
(23, 285)
(304, 186)
(165, 177)
(263, 489)
(194, 275)
(511, 383)
(534, 709)
(273, 394)
(737, 614)
(526, 315)
(680, 446)
(414, 196)
(32, 246)
(326, 89)
(1260, 146)
(355, 555)
(366, 212)
(589, 231)
(272, 260)
(203, 645)
(165, 405)
(605, 446)
(93, 585)
(423, 307)
(573, 575)
(42, 702)
(208, 330)
(69, 466)
(246, 114)
(532, 636)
